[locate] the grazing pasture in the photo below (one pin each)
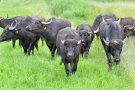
(41, 72)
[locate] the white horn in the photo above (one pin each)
(103, 20)
(13, 27)
(96, 31)
(118, 21)
(43, 22)
(106, 42)
(90, 32)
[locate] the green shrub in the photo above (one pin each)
(76, 10)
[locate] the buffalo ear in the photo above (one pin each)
(62, 41)
(134, 29)
(78, 42)
(118, 21)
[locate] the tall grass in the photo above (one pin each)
(41, 72)
(75, 10)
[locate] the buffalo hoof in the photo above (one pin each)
(110, 67)
(117, 63)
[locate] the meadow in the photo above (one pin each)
(41, 72)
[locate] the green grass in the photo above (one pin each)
(41, 72)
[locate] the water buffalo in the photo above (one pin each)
(27, 39)
(98, 20)
(7, 21)
(128, 24)
(87, 35)
(68, 44)
(112, 37)
(49, 29)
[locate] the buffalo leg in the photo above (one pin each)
(97, 34)
(66, 68)
(36, 46)
(75, 64)
(20, 43)
(25, 51)
(86, 52)
(50, 47)
(53, 50)
(13, 43)
(82, 51)
(108, 55)
(42, 40)
(33, 50)
(88, 48)
(109, 59)
(30, 48)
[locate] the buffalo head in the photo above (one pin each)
(115, 48)
(70, 47)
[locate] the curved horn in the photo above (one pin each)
(11, 26)
(43, 22)
(130, 27)
(106, 42)
(124, 40)
(96, 31)
(118, 21)
(103, 20)
(90, 32)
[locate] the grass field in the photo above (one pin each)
(41, 72)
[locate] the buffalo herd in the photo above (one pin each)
(69, 43)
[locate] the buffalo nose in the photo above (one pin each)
(117, 59)
(70, 55)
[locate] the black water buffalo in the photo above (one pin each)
(4, 22)
(87, 35)
(131, 30)
(112, 38)
(128, 24)
(98, 20)
(27, 39)
(7, 35)
(49, 30)
(7, 21)
(68, 44)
